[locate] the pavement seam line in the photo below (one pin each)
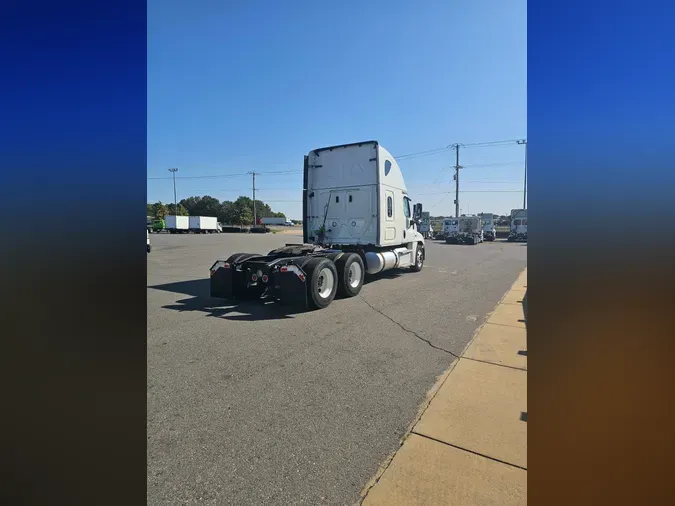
(408, 330)
(433, 391)
(469, 451)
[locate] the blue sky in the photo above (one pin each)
(234, 88)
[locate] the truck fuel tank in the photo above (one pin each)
(378, 261)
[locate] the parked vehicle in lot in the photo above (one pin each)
(177, 224)
(470, 231)
(203, 224)
(489, 229)
(450, 229)
(276, 221)
(425, 226)
(356, 221)
(148, 234)
(158, 226)
(518, 226)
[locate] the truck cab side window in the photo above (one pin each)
(390, 207)
(406, 207)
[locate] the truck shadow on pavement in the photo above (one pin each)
(392, 274)
(200, 300)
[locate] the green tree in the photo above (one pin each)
(236, 213)
(190, 204)
(181, 210)
(159, 210)
(207, 206)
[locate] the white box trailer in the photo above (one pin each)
(357, 220)
(204, 224)
(177, 224)
(274, 221)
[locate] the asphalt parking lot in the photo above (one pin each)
(251, 405)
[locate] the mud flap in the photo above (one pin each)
(292, 289)
(221, 283)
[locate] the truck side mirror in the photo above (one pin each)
(417, 212)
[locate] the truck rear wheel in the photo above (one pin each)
(322, 282)
(351, 273)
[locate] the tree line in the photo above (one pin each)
(239, 212)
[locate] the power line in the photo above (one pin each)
(491, 143)
(407, 156)
(218, 176)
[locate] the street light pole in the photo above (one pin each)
(524, 141)
(175, 204)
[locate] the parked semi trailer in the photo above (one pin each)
(357, 220)
(277, 221)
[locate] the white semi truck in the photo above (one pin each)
(518, 231)
(357, 220)
(450, 228)
(469, 231)
(489, 229)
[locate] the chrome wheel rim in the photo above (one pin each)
(419, 258)
(325, 282)
(354, 275)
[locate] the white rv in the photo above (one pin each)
(357, 220)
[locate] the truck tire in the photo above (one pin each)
(322, 282)
(419, 259)
(351, 273)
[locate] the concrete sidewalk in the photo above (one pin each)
(469, 446)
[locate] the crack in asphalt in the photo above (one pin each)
(427, 341)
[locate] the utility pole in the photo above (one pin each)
(175, 204)
(457, 167)
(524, 141)
(255, 218)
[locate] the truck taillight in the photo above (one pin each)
(226, 265)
